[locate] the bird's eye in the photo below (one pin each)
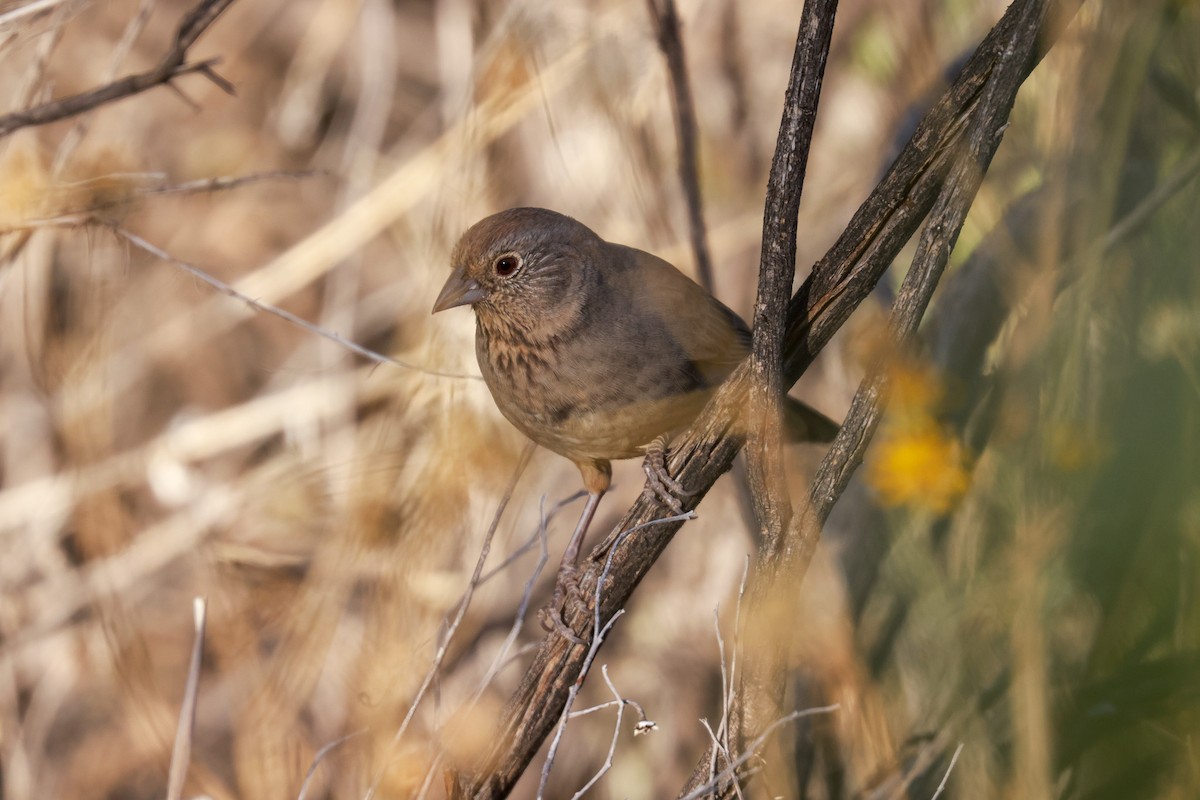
(506, 265)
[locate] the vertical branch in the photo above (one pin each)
(777, 268)
(670, 41)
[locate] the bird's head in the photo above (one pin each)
(525, 266)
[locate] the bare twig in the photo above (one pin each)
(612, 746)
(720, 748)
(152, 183)
(597, 640)
(173, 64)
(537, 536)
(504, 655)
(522, 608)
(501, 659)
(182, 751)
(753, 747)
(670, 40)
(645, 724)
(777, 267)
(599, 632)
(953, 760)
(460, 612)
(608, 562)
(224, 182)
(320, 756)
(287, 316)
(132, 30)
(729, 683)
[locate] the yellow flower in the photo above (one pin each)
(922, 468)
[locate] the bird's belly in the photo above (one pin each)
(610, 432)
(591, 416)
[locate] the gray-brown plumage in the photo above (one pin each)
(593, 349)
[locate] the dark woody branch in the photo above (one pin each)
(173, 64)
(839, 283)
(777, 269)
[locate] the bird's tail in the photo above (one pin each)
(806, 424)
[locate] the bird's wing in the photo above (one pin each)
(713, 337)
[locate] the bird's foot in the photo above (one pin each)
(566, 593)
(660, 485)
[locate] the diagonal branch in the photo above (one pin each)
(173, 64)
(839, 283)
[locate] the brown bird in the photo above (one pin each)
(595, 350)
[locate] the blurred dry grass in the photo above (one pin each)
(160, 441)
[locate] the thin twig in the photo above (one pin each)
(643, 721)
(287, 316)
(753, 747)
(599, 632)
(719, 748)
(320, 756)
(612, 746)
(670, 40)
(608, 562)
(728, 684)
(460, 612)
(78, 217)
(219, 184)
(597, 640)
(538, 535)
(134, 29)
(182, 751)
(953, 760)
(173, 64)
(522, 608)
(500, 660)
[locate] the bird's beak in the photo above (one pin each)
(458, 291)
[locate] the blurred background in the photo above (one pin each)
(1010, 589)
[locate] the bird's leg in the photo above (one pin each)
(596, 478)
(571, 554)
(659, 484)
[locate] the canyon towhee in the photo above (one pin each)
(595, 350)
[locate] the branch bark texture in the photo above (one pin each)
(173, 64)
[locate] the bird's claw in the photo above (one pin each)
(566, 591)
(660, 485)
